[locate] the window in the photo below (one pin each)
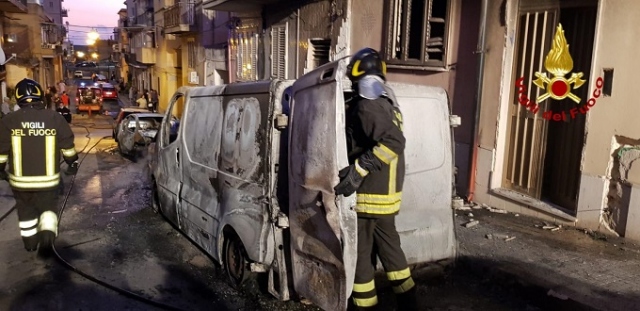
(247, 56)
(192, 54)
(279, 51)
(319, 52)
(417, 33)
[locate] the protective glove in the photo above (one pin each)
(351, 177)
(4, 175)
(72, 169)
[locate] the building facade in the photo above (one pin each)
(55, 11)
(173, 43)
(37, 44)
(7, 7)
(567, 158)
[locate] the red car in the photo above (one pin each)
(109, 91)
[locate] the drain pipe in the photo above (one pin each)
(297, 45)
(481, 51)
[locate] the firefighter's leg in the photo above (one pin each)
(364, 290)
(47, 203)
(28, 215)
(395, 263)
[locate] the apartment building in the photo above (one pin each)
(36, 42)
(55, 11)
(9, 6)
(173, 43)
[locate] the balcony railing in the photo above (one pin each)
(180, 17)
(64, 13)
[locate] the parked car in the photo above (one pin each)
(136, 131)
(249, 178)
(108, 91)
(78, 74)
(86, 64)
(124, 112)
(111, 107)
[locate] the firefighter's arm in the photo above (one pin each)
(383, 128)
(65, 141)
(5, 148)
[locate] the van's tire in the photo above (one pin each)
(236, 262)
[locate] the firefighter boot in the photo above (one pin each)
(46, 243)
(407, 301)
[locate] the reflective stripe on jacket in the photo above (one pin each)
(32, 141)
(376, 126)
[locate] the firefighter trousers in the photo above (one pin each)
(379, 237)
(37, 215)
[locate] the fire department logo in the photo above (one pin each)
(559, 63)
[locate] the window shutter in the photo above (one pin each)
(279, 51)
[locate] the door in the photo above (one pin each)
(323, 226)
(168, 173)
(425, 222)
(543, 155)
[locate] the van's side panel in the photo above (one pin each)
(244, 169)
(425, 221)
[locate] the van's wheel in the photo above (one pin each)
(236, 262)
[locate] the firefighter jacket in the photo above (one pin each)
(376, 146)
(30, 141)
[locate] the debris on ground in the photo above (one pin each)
(471, 224)
(470, 214)
(499, 236)
(549, 227)
(497, 210)
(596, 235)
(463, 208)
(457, 202)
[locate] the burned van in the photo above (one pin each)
(249, 178)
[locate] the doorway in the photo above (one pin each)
(544, 155)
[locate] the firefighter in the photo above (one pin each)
(31, 141)
(376, 171)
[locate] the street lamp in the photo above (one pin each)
(80, 54)
(93, 35)
(94, 55)
(91, 42)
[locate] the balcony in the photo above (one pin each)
(13, 6)
(146, 55)
(180, 18)
(237, 5)
(64, 12)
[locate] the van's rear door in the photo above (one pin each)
(323, 226)
(425, 221)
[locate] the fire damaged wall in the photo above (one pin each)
(619, 204)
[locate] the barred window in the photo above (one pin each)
(192, 55)
(417, 33)
(247, 56)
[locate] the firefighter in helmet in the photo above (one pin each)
(376, 155)
(31, 141)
